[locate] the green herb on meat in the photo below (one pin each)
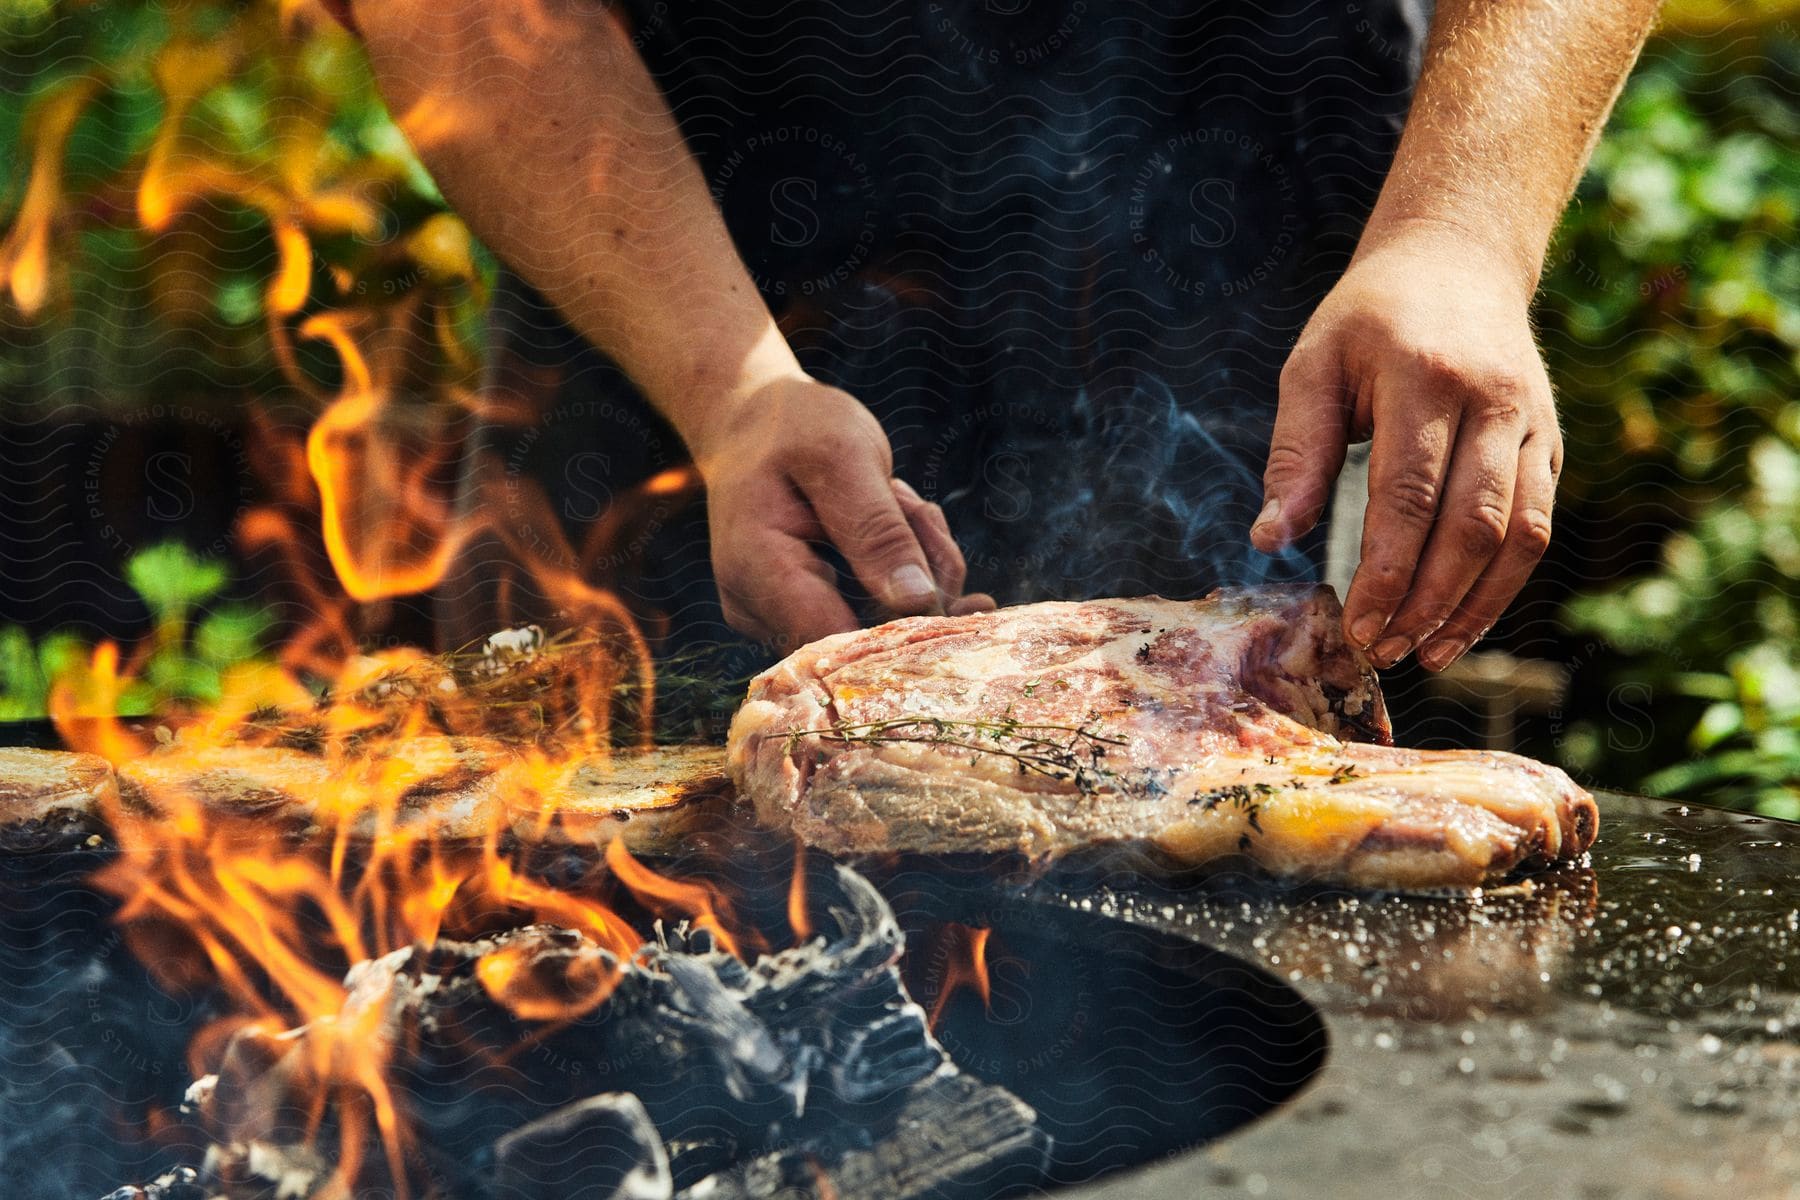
(1064, 752)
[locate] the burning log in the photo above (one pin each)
(601, 1148)
(446, 788)
(524, 737)
(955, 1137)
(51, 799)
(183, 1183)
(449, 788)
(506, 1064)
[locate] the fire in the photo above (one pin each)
(25, 254)
(376, 498)
(179, 173)
(273, 918)
(966, 966)
(216, 894)
(798, 919)
(350, 447)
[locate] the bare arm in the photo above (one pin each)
(545, 130)
(1426, 342)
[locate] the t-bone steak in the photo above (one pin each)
(1240, 724)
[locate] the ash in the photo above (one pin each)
(809, 1072)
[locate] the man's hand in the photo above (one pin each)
(1425, 345)
(795, 463)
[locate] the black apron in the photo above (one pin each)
(1061, 248)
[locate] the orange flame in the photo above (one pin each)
(965, 967)
(404, 546)
(213, 894)
(275, 922)
(362, 511)
(798, 919)
(25, 254)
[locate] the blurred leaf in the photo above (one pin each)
(176, 676)
(239, 300)
(21, 682)
(172, 581)
(1780, 803)
(61, 653)
(232, 634)
(1720, 721)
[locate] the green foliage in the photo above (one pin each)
(171, 580)
(1672, 321)
(279, 163)
(186, 661)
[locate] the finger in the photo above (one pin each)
(933, 531)
(974, 602)
(1527, 537)
(860, 514)
(772, 587)
(1306, 451)
(1414, 426)
(1470, 529)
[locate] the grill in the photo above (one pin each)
(1125, 1044)
(1216, 1035)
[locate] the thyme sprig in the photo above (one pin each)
(1072, 753)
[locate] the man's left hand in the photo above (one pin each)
(1425, 345)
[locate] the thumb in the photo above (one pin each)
(862, 517)
(1306, 451)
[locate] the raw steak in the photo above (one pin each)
(1207, 728)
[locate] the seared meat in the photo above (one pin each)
(1207, 728)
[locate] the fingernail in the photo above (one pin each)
(1389, 651)
(1439, 655)
(910, 587)
(1367, 628)
(1270, 511)
(906, 489)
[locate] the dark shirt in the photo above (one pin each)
(1060, 247)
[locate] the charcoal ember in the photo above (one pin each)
(183, 1183)
(955, 1137)
(878, 1058)
(258, 1093)
(816, 1048)
(91, 1050)
(601, 1148)
(265, 1169)
(62, 831)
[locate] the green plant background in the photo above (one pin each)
(1670, 315)
(1671, 319)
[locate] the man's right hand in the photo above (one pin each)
(795, 463)
(564, 157)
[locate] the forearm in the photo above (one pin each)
(549, 137)
(1509, 104)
